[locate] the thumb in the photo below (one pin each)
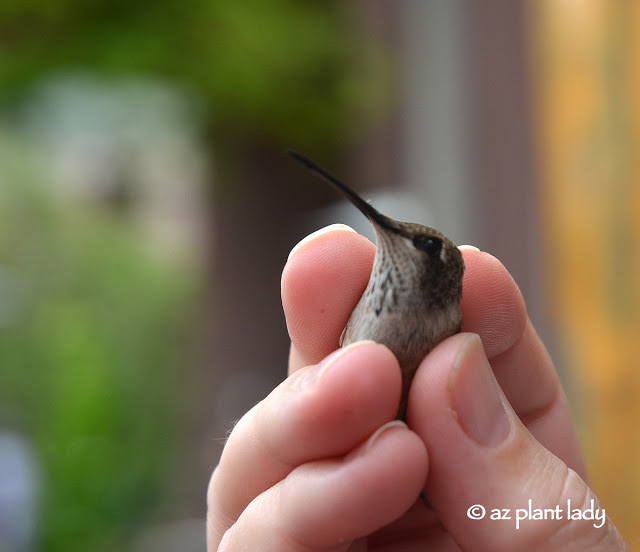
(492, 484)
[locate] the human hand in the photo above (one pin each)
(309, 469)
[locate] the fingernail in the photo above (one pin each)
(476, 397)
(314, 235)
(469, 247)
(314, 373)
(382, 429)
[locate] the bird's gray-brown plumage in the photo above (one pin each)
(412, 300)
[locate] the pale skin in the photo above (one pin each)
(309, 467)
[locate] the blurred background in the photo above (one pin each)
(147, 210)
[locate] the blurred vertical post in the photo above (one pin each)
(589, 117)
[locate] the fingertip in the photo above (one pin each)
(381, 429)
(492, 304)
(318, 233)
(327, 409)
(431, 381)
(397, 448)
(321, 284)
(359, 494)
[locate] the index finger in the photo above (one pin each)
(322, 282)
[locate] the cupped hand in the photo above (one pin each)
(320, 464)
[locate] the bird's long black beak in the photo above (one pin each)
(365, 207)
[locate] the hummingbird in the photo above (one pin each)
(412, 300)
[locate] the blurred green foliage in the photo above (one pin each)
(90, 357)
(281, 70)
(94, 325)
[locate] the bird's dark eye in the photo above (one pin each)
(431, 246)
